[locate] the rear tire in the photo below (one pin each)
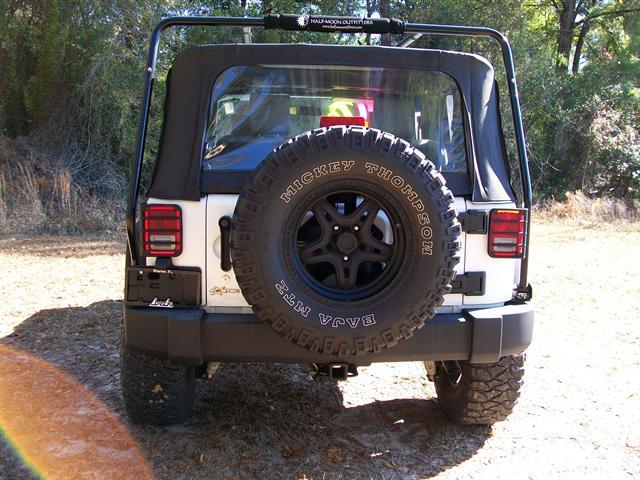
(479, 394)
(155, 391)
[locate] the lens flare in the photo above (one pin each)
(58, 428)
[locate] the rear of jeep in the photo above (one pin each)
(332, 206)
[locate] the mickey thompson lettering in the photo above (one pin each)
(307, 177)
(412, 196)
(372, 169)
(304, 310)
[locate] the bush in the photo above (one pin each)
(583, 209)
(39, 195)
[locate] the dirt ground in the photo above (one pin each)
(62, 411)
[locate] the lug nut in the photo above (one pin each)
(336, 228)
(345, 258)
(356, 228)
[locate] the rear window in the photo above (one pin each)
(256, 108)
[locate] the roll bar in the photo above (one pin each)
(330, 24)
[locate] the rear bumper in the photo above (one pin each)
(193, 336)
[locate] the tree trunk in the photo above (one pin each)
(579, 44)
(385, 12)
(369, 13)
(565, 34)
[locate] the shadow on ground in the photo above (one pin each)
(251, 421)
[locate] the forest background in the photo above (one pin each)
(71, 76)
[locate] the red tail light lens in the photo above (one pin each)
(326, 121)
(162, 230)
(507, 233)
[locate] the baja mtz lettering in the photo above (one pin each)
(290, 298)
(335, 322)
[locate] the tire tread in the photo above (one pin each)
(486, 393)
(155, 391)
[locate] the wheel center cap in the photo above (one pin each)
(347, 242)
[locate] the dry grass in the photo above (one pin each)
(577, 207)
(577, 418)
(39, 194)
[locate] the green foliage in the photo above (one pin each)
(582, 126)
(72, 74)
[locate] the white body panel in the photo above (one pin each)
(501, 273)
(222, 288)
(456, 298)
(221, 293)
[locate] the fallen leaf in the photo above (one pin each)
(334, 454)
(289, 451)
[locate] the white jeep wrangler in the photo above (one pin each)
(329, 205)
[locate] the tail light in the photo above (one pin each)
(507, 233)
(162, 230)
(327, 121)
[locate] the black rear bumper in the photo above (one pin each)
(194, 336)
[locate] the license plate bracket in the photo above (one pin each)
(163, 288)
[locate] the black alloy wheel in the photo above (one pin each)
(349, 244)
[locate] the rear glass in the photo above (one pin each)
(255, 108)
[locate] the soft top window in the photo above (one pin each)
(255, 108)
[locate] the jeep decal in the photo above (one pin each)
(168, 303)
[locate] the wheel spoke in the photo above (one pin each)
(324, 256)
(368, 207)
(374, 257)
(371, 216)
(353, 275)
(377, 251)
(347, 274)
(309, 251)
(321, 210)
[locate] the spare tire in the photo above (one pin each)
(345, 240)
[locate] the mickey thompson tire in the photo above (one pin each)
(156, 392)
(478, 393)
(383, 292)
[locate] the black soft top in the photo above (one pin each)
(177, 174)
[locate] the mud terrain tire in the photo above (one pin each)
(156, 392)
(336, 319)
(484, 393)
